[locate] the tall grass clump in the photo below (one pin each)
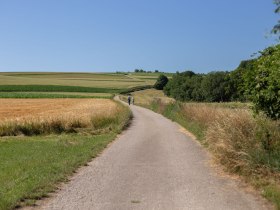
(39, 127)
(116, 121)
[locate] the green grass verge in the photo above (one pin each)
(32, 166)
(272, 193)
(55, 88)
(46, 95)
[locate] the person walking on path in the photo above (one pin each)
(129, 99)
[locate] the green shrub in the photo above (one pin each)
(161, 82)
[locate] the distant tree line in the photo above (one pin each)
(143, 71)
(256, 80)
(139, 71)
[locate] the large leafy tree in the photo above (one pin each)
(265, 83)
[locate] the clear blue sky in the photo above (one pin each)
(121, 35)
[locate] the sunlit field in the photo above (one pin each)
(71, 85)
(38, 116)
(99, 80)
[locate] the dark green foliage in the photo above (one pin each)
(263, 83)
(215, 87)
(237, 80)
(181, 86)
(188, 86)
(161, 82)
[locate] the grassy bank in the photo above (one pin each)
(244, 144)
(31, 167)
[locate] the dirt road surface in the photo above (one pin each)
(152, 165)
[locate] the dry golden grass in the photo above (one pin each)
(37, 116)
(14, 109)
(236, 137)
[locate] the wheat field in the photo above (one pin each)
(39, 116)
(27, 109)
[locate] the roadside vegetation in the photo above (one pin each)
(44, 141)
(243, 142)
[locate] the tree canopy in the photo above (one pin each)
(264, 84)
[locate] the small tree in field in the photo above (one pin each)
(161, 82)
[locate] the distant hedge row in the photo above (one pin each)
(55, 88)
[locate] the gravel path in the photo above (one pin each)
(153, 165)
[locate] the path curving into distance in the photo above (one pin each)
(152, 165)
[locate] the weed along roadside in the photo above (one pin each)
(241, 143)
(37, 152)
